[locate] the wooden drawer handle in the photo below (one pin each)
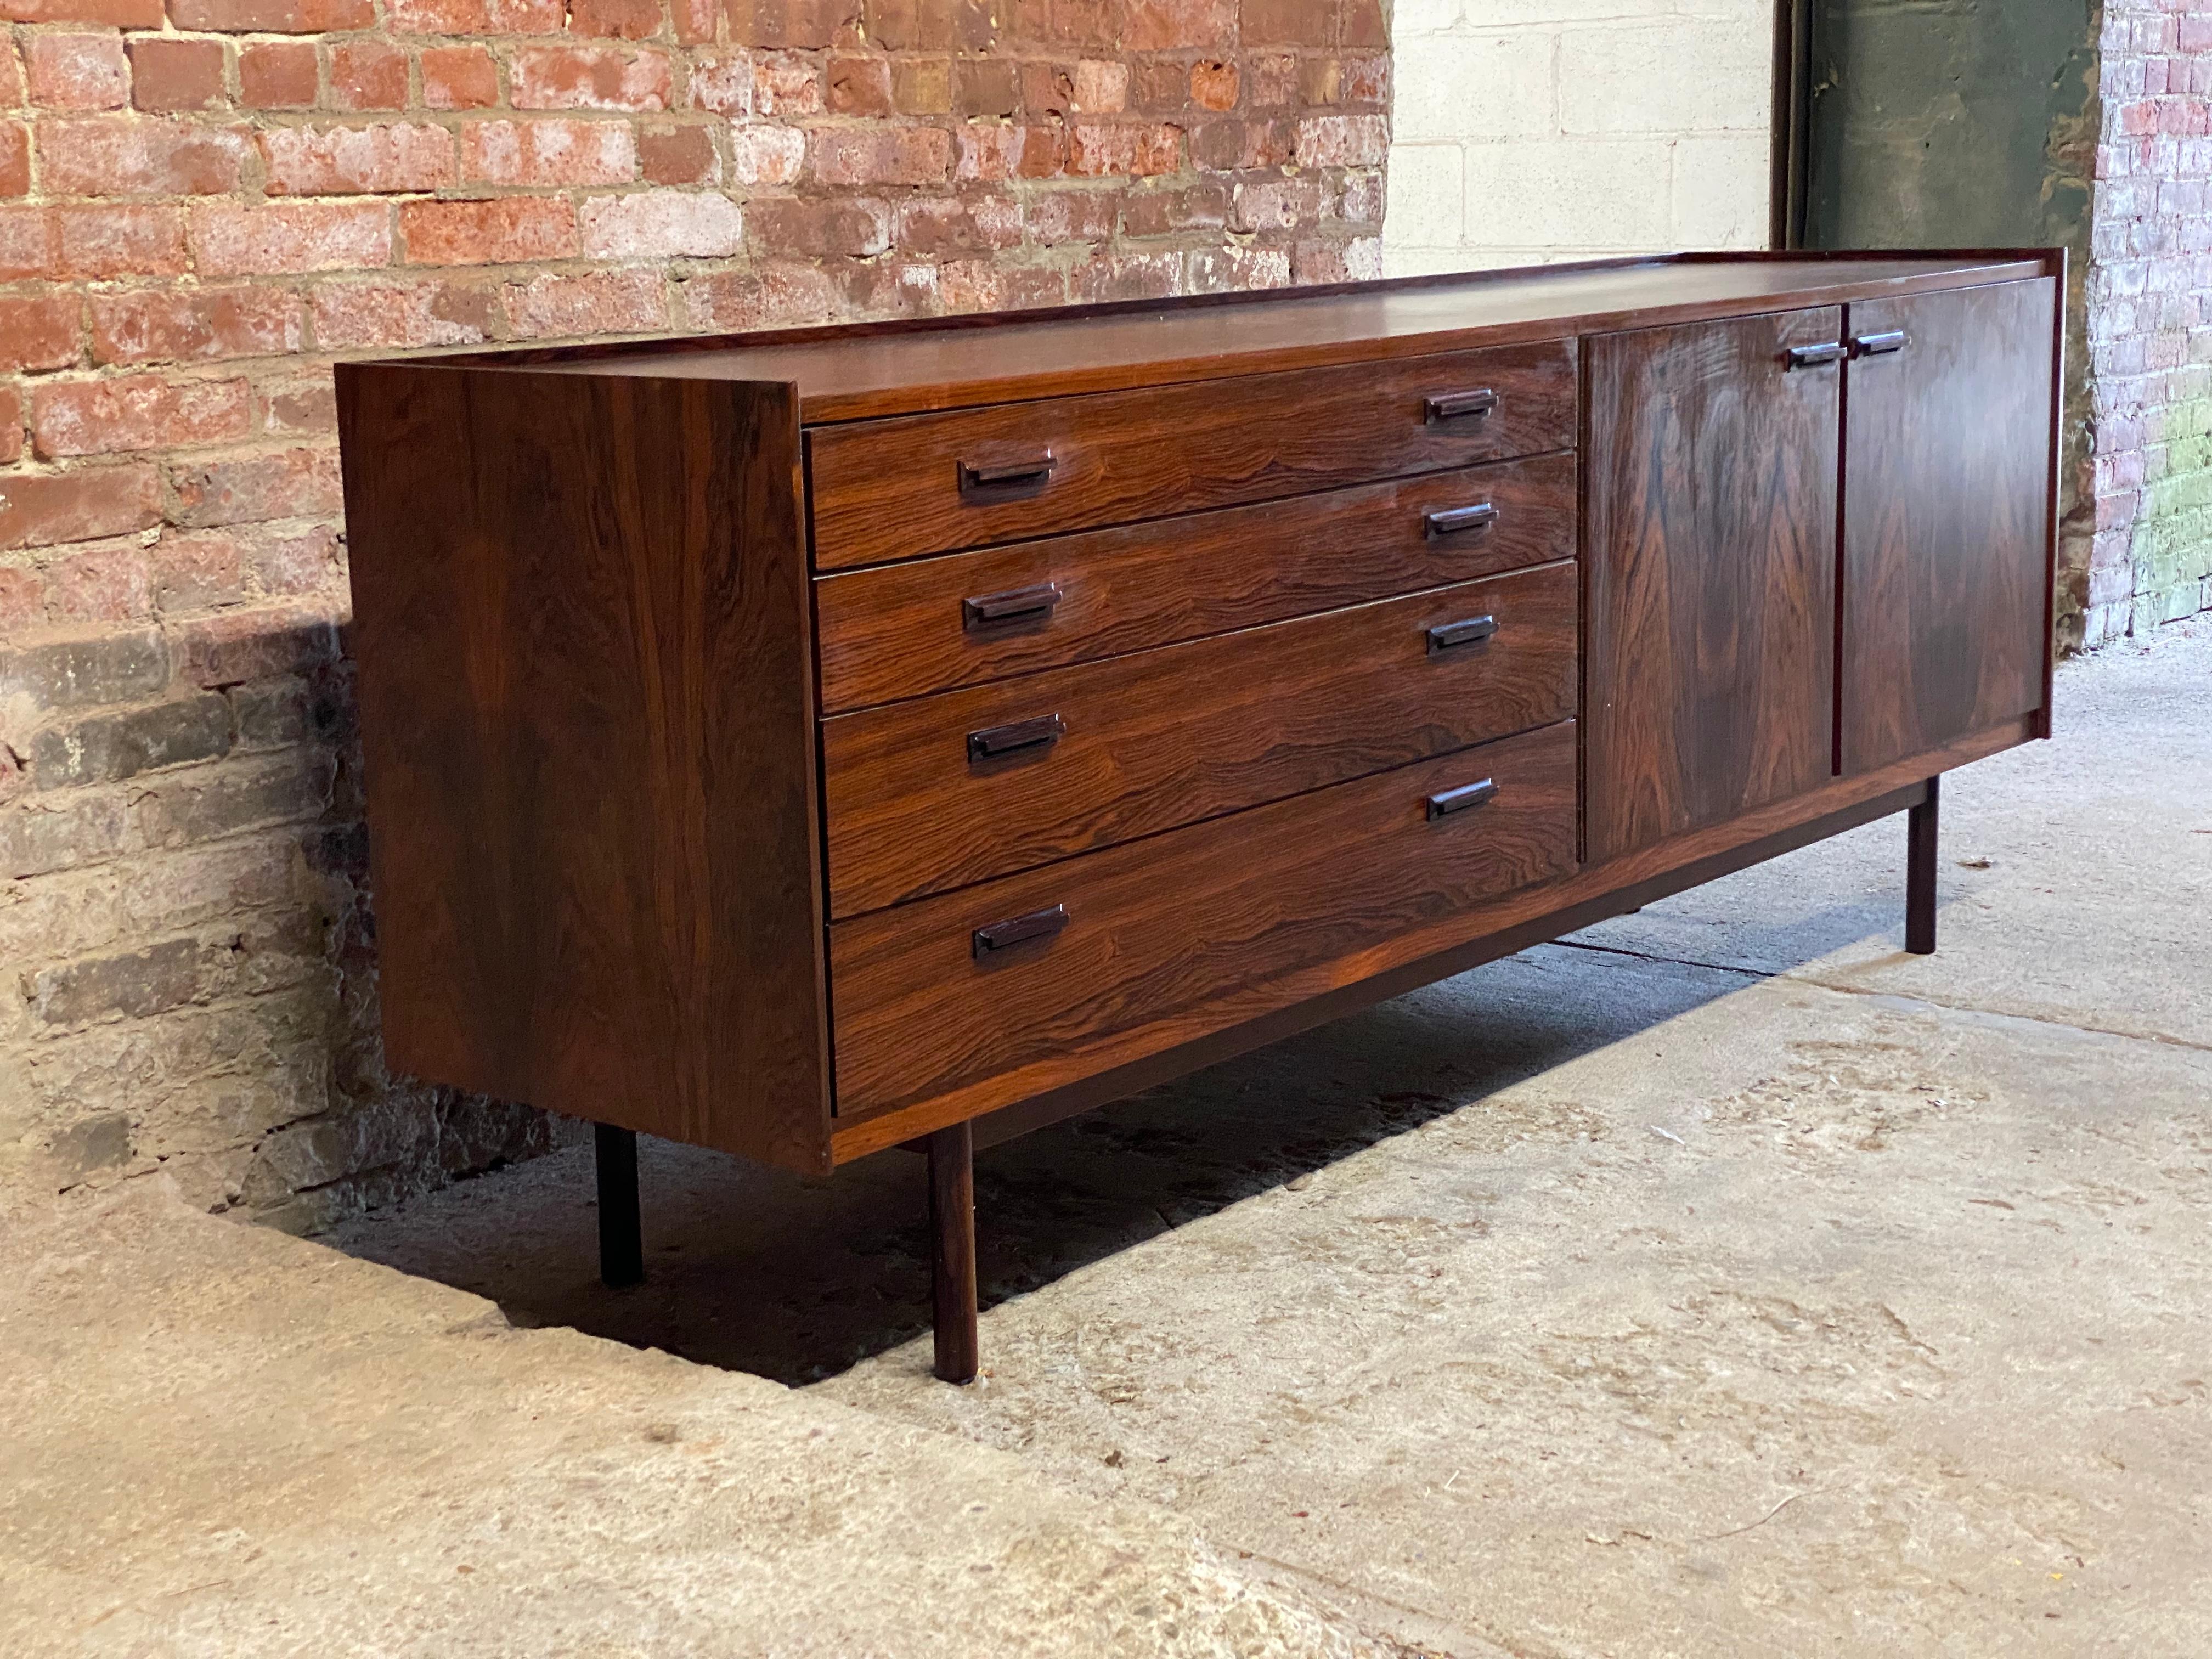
(1458, 800)
(999, 935)
(1880, 345)
(1452, 521)
(1000, 474)
(1015, 605)
(1449, 636)
(1816, 356)
(994, 741)
(1462, 405)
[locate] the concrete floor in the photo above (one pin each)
(1722, 1282)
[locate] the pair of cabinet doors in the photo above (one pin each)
(1806, 564)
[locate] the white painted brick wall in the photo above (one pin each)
(1530, 130)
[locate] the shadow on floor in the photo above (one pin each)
(794, 1279)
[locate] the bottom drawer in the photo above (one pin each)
(1002, 991)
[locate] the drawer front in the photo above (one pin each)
(1137, 949)
(903, 630)
(928, 483)
(941, 792)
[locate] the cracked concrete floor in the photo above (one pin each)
(1721, 1282)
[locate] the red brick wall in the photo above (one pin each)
(2150, 320)
(200, 208)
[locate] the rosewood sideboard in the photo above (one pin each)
(811, 742)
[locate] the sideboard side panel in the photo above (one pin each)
(585, 695)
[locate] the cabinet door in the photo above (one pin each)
(1711, 560)
(1947, 518)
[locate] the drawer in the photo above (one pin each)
(928, 483)
(903, 630)
(1166, 940)
(940, 792)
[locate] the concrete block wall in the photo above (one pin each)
(2150, 320)
(204, 202)
(1525, 131)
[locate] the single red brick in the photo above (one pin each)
(391, 156)
(1336, 140)
(1047, 89)
(933, 226)
(614, 20)
(589, 77)
(11, 75)
(138, 155)
(505, 231)
(116, 13)
(43, 510)
(787, 84)
(986, 86)
(110, 583)
(982, 285)
(859, 84)
(309, 405)
(11, 426)
(151, 325)
(856, 226)
(39, 332)
(1072, 215)
(722, 84)
(368, 75)
(1096, 149)
(1321, 81)
(1367, 78)
(459, 77)
(1286, 22)
(1203, 205)
(271, 16)
(694, 20)
(295, 483)
(78, 71)
(133, 412)
(1361, 23)
(30, 243)
(598, 302)
(277, 75)
(661, 224)
(476, 17)
(120, 241)
(989, 152)
(14, 159)
(409, 312)
(677, 156)
(775, 296)
(795, 23)
(764, 155)
(23, 607)
(549, 151)
(231, 239)
(929, 25)
(897, 155)
(1161, 86)
(194, 572)
(922, 86)
(1272, 80)
(1127, 277)
(1100, 87)
(1153, 25)
(1213, 84)
(176, 75)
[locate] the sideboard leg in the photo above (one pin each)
(1920, 876)
(621, 1242)
(952, 1254)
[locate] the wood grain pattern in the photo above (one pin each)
(888, 490)
(853, 371)
(896, 631)
(1188, 731)
(1946, 520)
(1164, 930)
(1709, 541)
(580, 609)
(1435, 947)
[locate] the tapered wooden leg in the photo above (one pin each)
(622, 1241)
(1920, 876)
(952, 1254)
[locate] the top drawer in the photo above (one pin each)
(929, 484)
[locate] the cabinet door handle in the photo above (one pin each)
(1015, 605)
(1462, 405)
(1458, 800)
(1449, 636)
(1450, 522)
(994, 741)
(1038, 924)
(998, 475)
(1816, 356)
(1880, 345)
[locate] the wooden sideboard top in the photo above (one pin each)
(852, 371)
